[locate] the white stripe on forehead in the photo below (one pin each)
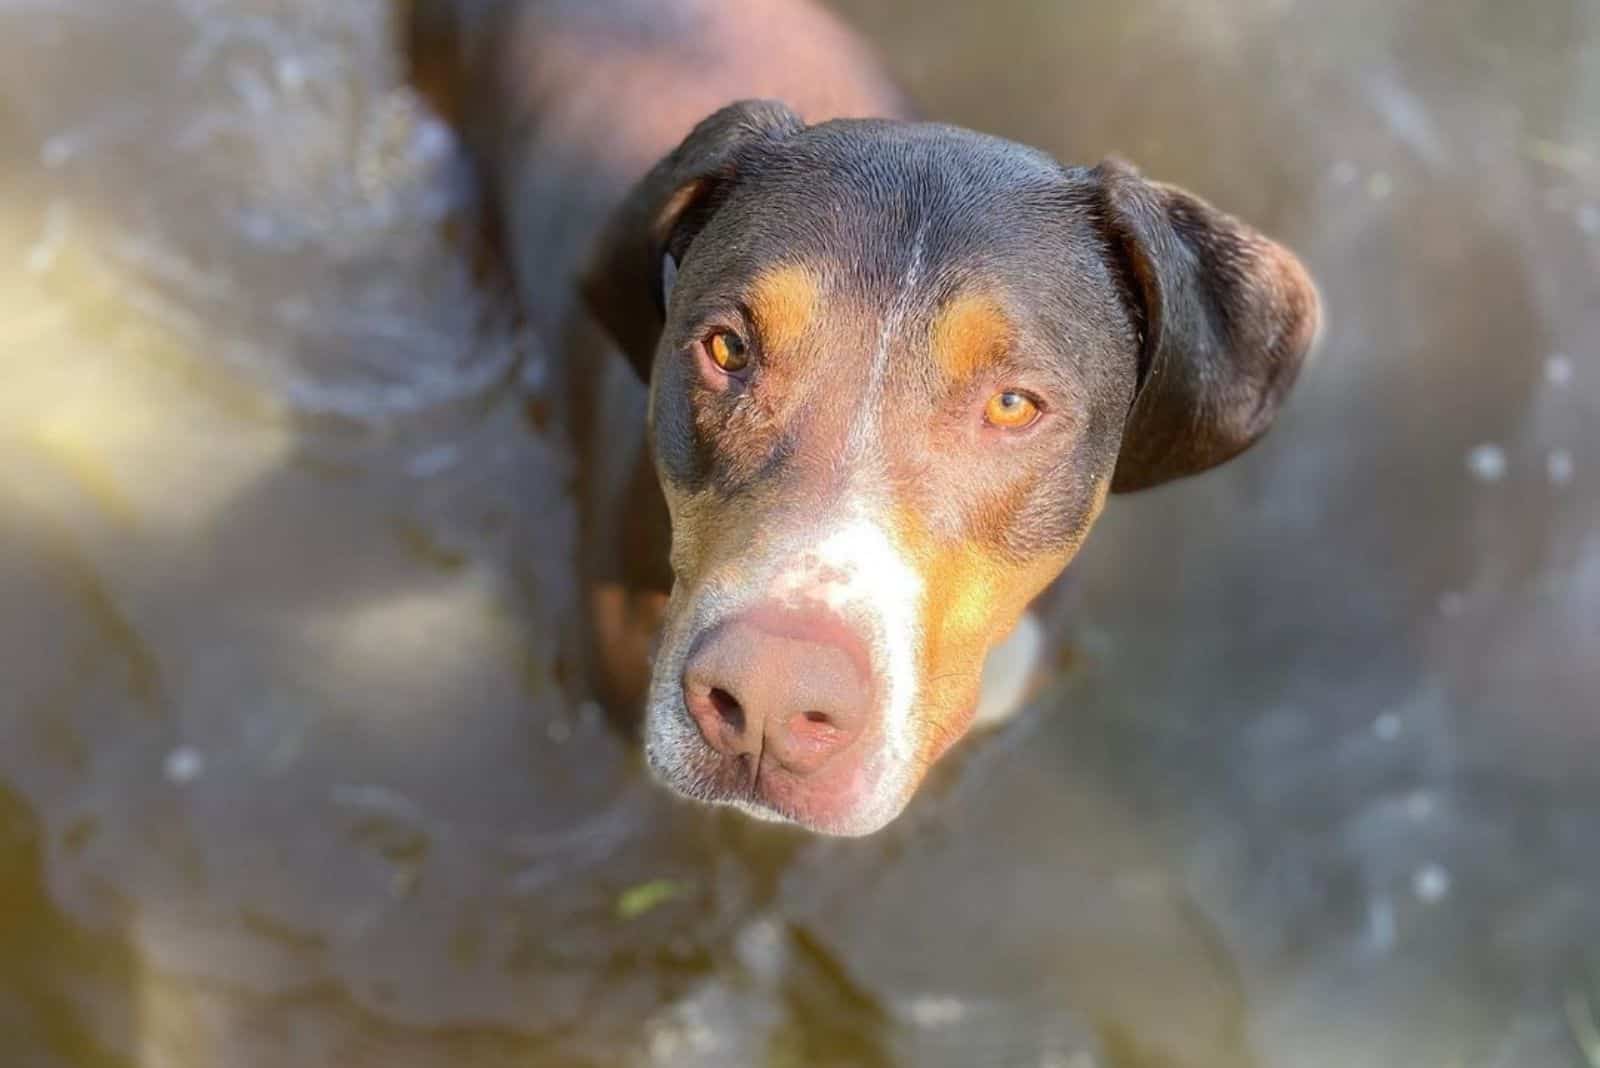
(865, 429)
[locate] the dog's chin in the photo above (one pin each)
(680, 759)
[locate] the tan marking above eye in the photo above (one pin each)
(970, 334)
(728, 351)
(784, 303)
(1010, 410)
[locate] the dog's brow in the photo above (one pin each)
(971, 332)
(783, 301)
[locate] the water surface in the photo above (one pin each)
(288, 773)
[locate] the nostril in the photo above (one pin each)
(789, 689)
(728, 708)
(808, 739)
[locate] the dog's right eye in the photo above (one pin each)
(1011, 410)
(727, 350)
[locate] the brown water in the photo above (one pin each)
(287, 776)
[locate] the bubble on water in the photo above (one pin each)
(1379, 186)
(935, 1010)
(1589, 219)
(1558, 369)
(1343, 173)
(1452, 604)
(291, 73)
(184, 765)
(1558, 465)
(1386, 727)
(558, 731)
(1431, 883)
(1487, 462)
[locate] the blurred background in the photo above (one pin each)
(287, 772)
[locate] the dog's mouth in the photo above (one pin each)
(848, 797)
(849, 791)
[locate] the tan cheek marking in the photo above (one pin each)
(971, 599)
(784, 301)
(971, 333)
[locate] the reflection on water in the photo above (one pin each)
(287, 772)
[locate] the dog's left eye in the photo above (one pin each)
(727, 350)
(1010, 410)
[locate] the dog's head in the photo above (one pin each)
(894, 371)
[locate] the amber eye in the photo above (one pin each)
(1010, 410)
(727, 350)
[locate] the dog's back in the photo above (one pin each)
(568, 102)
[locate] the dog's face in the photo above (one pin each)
(894, 371)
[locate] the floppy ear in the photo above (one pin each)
(1227, 319)
(628, 277)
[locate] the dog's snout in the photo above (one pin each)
(779, 686)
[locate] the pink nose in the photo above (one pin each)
(776, 685)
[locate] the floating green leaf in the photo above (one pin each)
(638, 900)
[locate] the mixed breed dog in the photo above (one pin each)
(848, 389)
